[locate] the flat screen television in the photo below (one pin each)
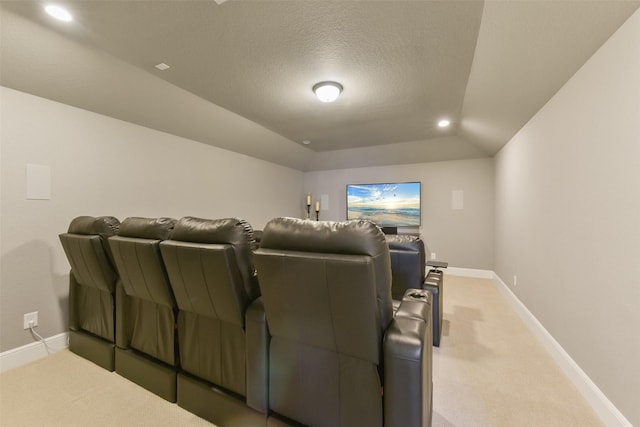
(387, 204)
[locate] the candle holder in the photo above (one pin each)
(317, 214)
(308, 206)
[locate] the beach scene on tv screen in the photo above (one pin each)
(385, 204)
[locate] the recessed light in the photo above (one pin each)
(306, 142)
(59, 13)
(444, 123)
(327, 91)
(162, 66)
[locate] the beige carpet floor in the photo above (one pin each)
(489, 371)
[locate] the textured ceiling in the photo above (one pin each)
(242, 71)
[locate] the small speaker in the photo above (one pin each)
(390, 230)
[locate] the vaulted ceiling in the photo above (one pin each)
(241, 72)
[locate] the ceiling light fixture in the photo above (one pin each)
(162, 66)
(327, 91)
(59, 13)
(444, 123)
(306, 142)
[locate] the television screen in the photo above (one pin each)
(391, 204)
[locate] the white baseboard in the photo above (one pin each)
(607, 412)
(469, 272)
(28, 353)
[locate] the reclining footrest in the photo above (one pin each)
(216, 406)
(99, 351)
(153, 375)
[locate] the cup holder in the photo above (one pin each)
(417, 295)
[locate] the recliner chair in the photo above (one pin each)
(92, 284)
(408, 267)
(408, 263)
(146, 350)
(338, 357)
(212, 274)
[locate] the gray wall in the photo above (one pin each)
(464, 237)
(104, 166)
(567, 217)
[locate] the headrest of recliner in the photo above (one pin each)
(147, 228)
(103, 225)
(228, 231)
(356, 237)
(232, 231)
(406, 242)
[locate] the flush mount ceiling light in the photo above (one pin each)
(59, 13)
(444, 123)
(327, 91)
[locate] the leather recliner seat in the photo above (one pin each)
(212, 274)
(338, 357)
(146, 344)
(408, 263)
(408, 267)
(92, 284)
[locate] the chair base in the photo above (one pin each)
(216, 406)
(155, 376)
(98, 350)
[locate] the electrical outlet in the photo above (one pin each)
(433, 255)
(30, 317)
(515, 280)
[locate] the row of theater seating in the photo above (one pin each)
(300, 331)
